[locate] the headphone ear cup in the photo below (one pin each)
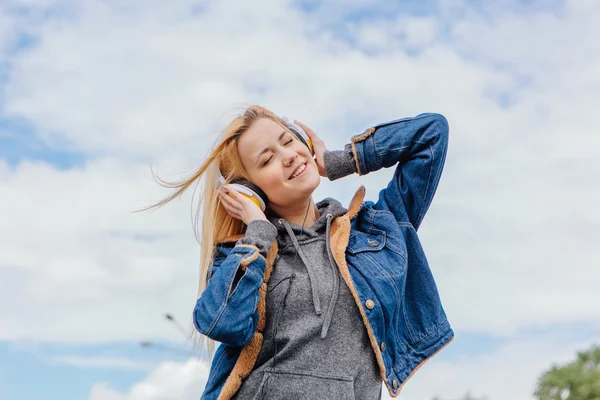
(255, 193)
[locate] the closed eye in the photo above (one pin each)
(269, 159)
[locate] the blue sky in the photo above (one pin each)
(18, 142)
(31, 374)
(93, 94)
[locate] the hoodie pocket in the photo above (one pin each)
(301, 385)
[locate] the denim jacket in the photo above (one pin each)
(379, 255)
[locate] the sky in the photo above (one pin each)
(96, 94)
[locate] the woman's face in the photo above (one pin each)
(271, 155)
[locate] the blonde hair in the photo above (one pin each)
(217, 224)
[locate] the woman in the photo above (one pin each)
(316, 301)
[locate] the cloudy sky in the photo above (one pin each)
(93, 94)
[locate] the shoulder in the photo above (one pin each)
(368, 217)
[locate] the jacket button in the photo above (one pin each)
(395, 384)
(382, 346)
(373, 243)
(370, 304)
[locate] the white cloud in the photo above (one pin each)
(419, 31)
(72, 248)
(170, 380)
(102, 391)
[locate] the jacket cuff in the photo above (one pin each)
(339, 163)
(260, 233)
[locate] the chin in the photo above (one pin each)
(291, 195)
(316, 181)
(313, 179)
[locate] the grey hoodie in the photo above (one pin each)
(315, 343)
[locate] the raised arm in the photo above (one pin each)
(416, 145)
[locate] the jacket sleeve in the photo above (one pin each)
(416, 145)
(226, 310)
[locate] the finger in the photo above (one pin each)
(240, 201)
(230, 204)
(228, 191)
(306, 128)
(235, 198)
(239, 197)
(234, 193)
(234, 213)
(230, 201)
(311, 134)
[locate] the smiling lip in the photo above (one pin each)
(301, 173)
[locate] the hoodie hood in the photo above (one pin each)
(326, 206)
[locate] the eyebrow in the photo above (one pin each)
(267, 149)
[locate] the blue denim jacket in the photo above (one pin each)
(377, 251)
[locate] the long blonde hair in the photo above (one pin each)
(217, 224)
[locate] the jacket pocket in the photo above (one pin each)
(301, 385)
(373, 254)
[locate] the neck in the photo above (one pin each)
(297, 213)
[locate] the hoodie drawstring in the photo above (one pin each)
(336, 283)
(315, 294)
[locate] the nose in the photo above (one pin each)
(289, 157)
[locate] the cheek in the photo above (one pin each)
(316, 178)
(269, 180)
